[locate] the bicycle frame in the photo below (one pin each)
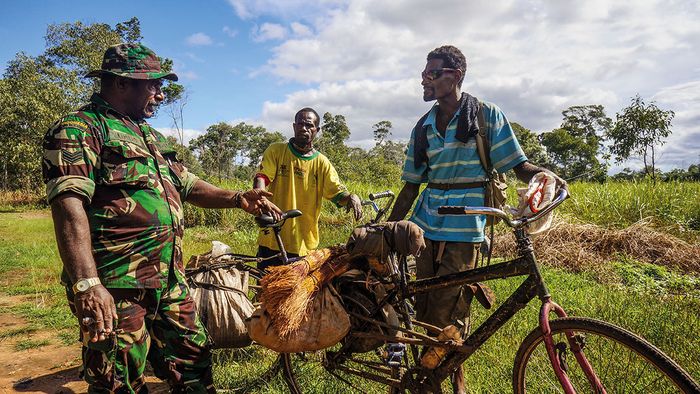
(532, 286)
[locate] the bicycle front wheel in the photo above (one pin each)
(622, 361)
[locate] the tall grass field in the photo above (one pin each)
(638, 299)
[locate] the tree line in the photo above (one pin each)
(36, 90)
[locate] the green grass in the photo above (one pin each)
(673, 206)
(666, 321)
(68, 337)
(17, 332)
(27, 344)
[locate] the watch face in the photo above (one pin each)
(82, 285)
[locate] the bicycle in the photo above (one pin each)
(566, 354)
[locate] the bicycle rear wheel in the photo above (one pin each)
(623, 361)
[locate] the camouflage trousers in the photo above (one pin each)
(158, 325)
(445, 306)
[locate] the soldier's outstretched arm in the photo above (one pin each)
(206, 195)
(75, 247)
(404, 201)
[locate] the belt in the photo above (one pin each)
(451, 186)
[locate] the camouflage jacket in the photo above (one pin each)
(133, 186)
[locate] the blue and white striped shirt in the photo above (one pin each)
(452, 161)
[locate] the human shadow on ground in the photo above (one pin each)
(58, 382)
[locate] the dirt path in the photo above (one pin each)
(53, 368)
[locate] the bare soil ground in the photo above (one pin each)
(53, 368)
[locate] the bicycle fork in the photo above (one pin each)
(558, 363)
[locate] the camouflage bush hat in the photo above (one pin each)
(131, 61)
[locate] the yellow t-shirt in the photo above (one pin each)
(298, 182)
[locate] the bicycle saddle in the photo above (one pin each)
(267, 221)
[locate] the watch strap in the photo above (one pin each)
(90, 282)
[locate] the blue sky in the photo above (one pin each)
(260, 61)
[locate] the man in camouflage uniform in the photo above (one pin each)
(116, 191)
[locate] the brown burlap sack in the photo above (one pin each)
(221, 296)
(325, 325)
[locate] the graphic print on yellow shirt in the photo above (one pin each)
(312, 179)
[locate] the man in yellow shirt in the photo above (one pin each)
(299, 177)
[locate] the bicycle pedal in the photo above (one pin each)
(394, 353)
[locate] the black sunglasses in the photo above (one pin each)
(431, 75)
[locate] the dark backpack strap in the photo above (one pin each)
(420, 142)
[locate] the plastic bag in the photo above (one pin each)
(539, 193)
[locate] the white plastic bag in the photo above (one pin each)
(534, 198)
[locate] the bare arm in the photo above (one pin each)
(404, 201)
(75, 247)
(206, 195)
(526, 170)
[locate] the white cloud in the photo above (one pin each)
(199, 39)
(300, 30)
(683, 146)
(533, 59)
(229, 32)
(290, 9)
(397, 101)
(187, 74)
(188, 134)
(194, 57)
(269, 31)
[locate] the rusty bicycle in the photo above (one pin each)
(564, 354)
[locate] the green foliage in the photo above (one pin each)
(227, 151)
(37, 91)
(575, 146)
(381, 131)
(381, 163)
(80, 46)
(678, 174)
(638, 130)
(257, 143)
(186, 157)
(334, 133)
(531, 145)
(32, 95)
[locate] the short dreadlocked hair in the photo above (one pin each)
(451, 57)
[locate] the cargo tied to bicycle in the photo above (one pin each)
(298, 308)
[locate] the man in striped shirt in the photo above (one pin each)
(445, 157)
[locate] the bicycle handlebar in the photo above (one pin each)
(266, 220)
(384, 194)
(562, 195)
(380, 212)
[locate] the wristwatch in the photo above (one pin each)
(84, 284)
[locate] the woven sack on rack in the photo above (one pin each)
(324, 326)
(221, 296)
